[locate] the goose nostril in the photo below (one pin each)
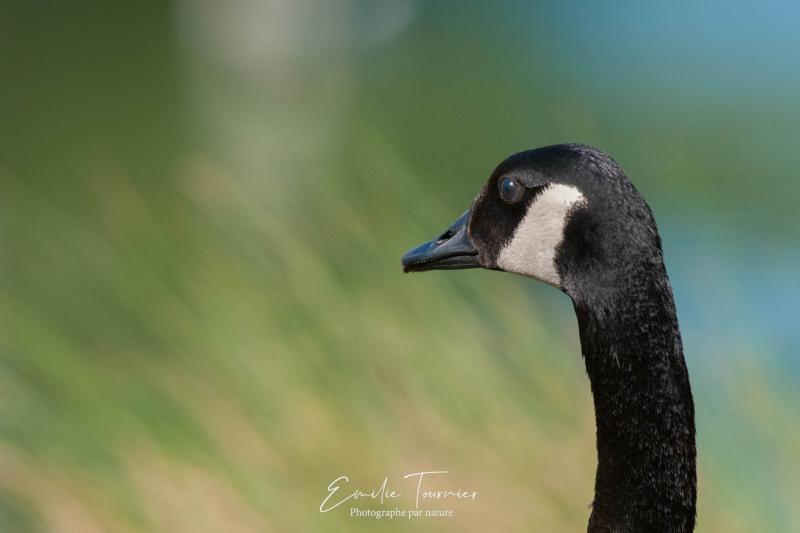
(445, 236)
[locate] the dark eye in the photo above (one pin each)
(510, 190)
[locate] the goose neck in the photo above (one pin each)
(644, 412)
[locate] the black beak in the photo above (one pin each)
(450, 251)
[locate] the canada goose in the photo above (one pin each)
(567, 215)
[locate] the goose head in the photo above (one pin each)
(565, 215)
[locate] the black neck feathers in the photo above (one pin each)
(646, 475)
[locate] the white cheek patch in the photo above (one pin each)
(532, 250)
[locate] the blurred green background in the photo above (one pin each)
(204, 205)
